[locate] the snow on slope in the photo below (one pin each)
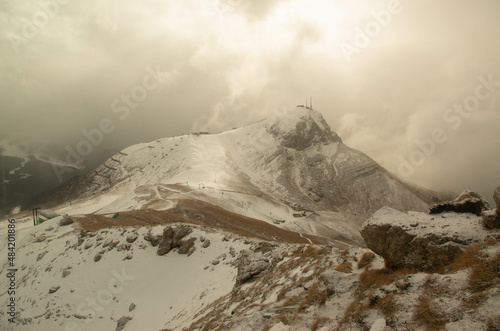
(261, 171)
(95, 295)
(63, 285)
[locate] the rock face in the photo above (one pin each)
(467, 202)
(420, 241)
(301, 132)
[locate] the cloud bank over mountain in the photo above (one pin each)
(387, 76)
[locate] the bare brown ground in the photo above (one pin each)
(199, 213)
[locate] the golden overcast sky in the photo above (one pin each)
(388, 76)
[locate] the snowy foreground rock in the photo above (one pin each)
(420, 241)
(491, 218)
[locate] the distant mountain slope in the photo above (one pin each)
(270, 170)
(28, 169)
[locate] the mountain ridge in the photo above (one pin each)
(291, 167)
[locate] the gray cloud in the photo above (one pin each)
(231, 62)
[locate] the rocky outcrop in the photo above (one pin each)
(467, 202)
(250, 264)
(420, 241)
(300, 129)
(172, 238)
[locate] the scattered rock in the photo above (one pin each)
(66, 220)
(54, 289)
(124, 247)
(66, 272)
(131, 307)
(206, 243)
(187, 246)
(425, 247)
(132, 238)
(41, 255)
(87, 245)
(250, 265)
(128, 257)
(120, 325)
(97, 257)
(113, 244)
(467, 202)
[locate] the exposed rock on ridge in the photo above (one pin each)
(420, 241)
(467, 202)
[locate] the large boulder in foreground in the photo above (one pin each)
(467, 202)
(420, 241)
(496, 197)
(491, 218)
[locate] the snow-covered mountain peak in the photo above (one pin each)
(301, 128)
(269, 171)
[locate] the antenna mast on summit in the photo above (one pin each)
(311, 105)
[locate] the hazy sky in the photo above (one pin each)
(383, 73)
